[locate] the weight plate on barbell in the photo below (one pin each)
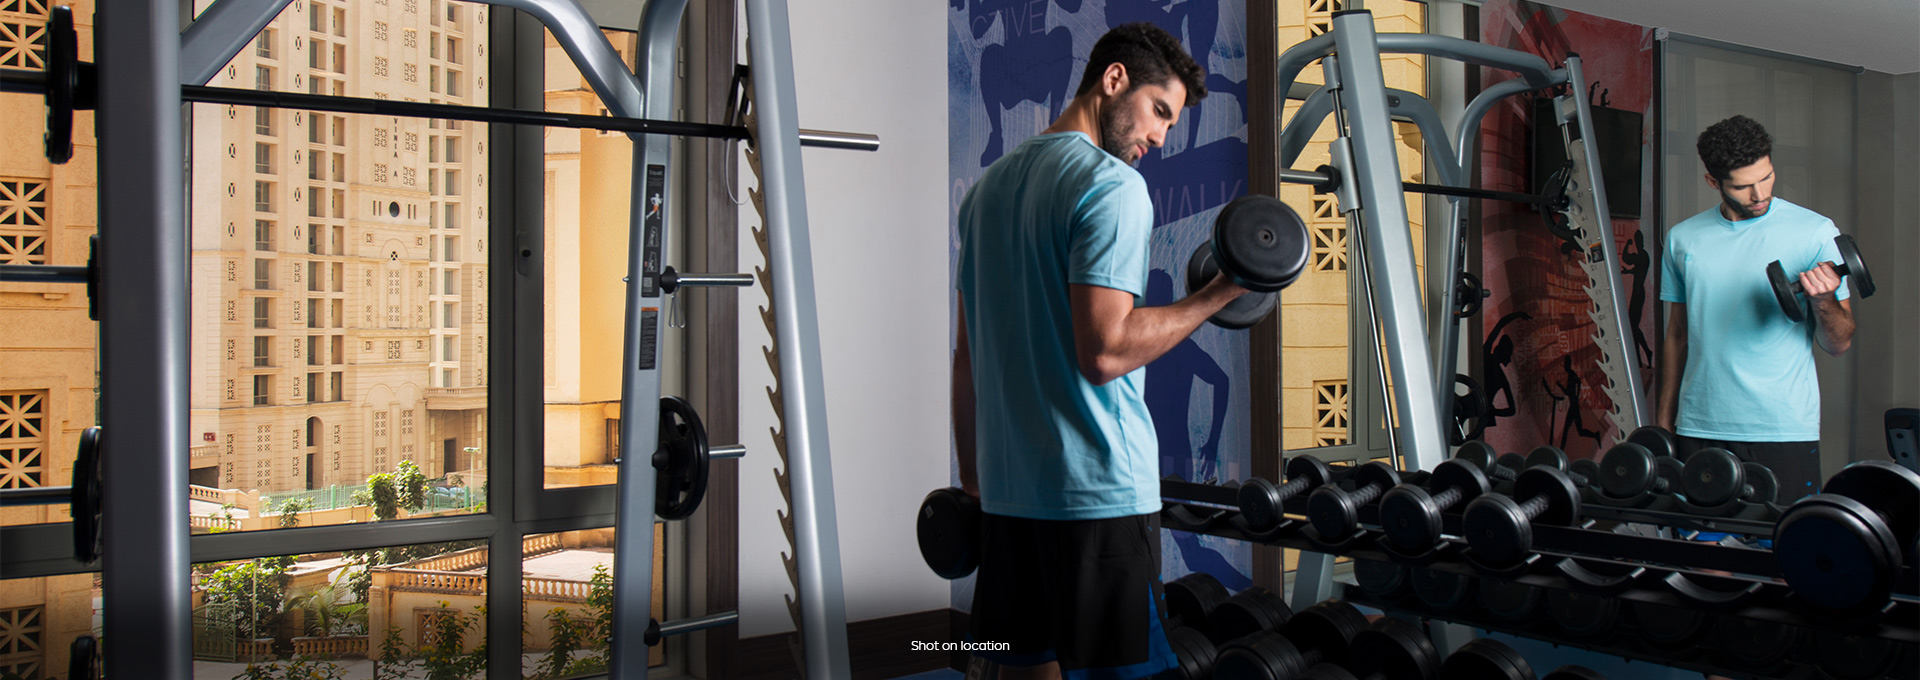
(1886, 488)
(1838, 555)
(1243, 311)
(1261, 243)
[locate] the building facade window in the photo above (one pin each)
(23, 34)
(23, 441)
(1329, 230)
(1330, 415)
(22, 641)
(23, 221)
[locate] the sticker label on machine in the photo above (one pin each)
(652, 224)
(649, 337)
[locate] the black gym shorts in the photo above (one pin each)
(1795, 464)
(1085, 593)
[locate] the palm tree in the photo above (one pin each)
(330, 608)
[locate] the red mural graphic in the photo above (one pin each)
(1539, 364)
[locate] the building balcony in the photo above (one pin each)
(457, 398)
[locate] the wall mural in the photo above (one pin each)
(1012, 66)
(1539, 365)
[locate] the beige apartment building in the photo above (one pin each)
(339, 262)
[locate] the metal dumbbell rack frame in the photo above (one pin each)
(1365, 176)
(142, 268)
(1734, 581)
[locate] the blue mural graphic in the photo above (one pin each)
(1012, 66)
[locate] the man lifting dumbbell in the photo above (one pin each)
(1050, 427)
(1736, 373)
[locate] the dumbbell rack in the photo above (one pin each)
(1735, 582)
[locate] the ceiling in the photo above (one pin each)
(1881, 35)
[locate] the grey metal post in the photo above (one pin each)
(1375, 177)
(220, 32)
(640, 390)
(1615, 329)
(143, 340)
(822, 596)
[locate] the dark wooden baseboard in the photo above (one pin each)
(879, 648)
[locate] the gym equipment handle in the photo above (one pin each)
(43, 273)
(852, 141)
(734, 451)
(671, 280)
(657, 630)
(39, 495)
(1447, 498)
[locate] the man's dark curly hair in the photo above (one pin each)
(1732, 144)
(1151, 56)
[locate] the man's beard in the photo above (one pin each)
(1113, 134)
(1739, 209)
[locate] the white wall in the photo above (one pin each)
(878, 230)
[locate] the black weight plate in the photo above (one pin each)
(1510, 600)
(1856, 269)
(1783, 292)
(1260, 242)
(1472, 481)
(1485, 659)
(1383, 580)
(1328, 626)
(1853, 657)
(1497, 532)
(1575, 673)
(1712, 477)
(1195, 653)
(1563, 507)
(948, 528)
(1512, 461)
(1190, 598)
(1669, 627)
(1658, 440)
(63, 82)
(1243, 311)
(1582, 613)
(86, 496)
(1393, 648)
(1467, 295)
(1547, 456)
(1627, 471)
(1766, 487)
(1479, 453)
(1249, 611)
(1837, 555)
(83, 658)
(1888, 489)
(1266, 656)
(1670, 469)
(1442, 590)
(1410, 519)
(1754, 642)
(1469, 411)
(1259, 502)
(1327, 672)
(1587, 468)
(682, 480)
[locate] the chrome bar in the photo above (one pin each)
(734, 451)
(826, 139)
(684, 626)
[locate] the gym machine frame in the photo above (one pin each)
(1364, 174)
(142, 273)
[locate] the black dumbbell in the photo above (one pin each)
(1410, 515)
(1335, 513)
(1261, 500)
(1248, 612)
(1192, 597)
(1499, 529)
(1260, 244)
(1443, 590)
(1842, 549)
(1713, 478)
(1631, 471)
(1498, 467)
(1547, 455)
(1320, 633)
(1574, 673)
(1485, 659)
(1384, 581)
(1195, 653)
(1657, 439)
(1389, 649)
(1510, 600)
(1785, 289)
(948, 527)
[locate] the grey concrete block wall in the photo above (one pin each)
(1887, 338)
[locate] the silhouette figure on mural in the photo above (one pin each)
(1195, 22)
(1029, 64)
(1498, 355)
(1571, 390)
(1636, 259)
(1170, 388)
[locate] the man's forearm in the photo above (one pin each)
(1835, 323)
(1673, 364)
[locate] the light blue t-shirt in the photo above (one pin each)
(1055, 211)
(1749, 374)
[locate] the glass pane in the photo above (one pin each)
(588, 188)
(49, 367)
(1315, 341)
(41, 617)
(314, 378)
(567, 582)
(405, 612)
